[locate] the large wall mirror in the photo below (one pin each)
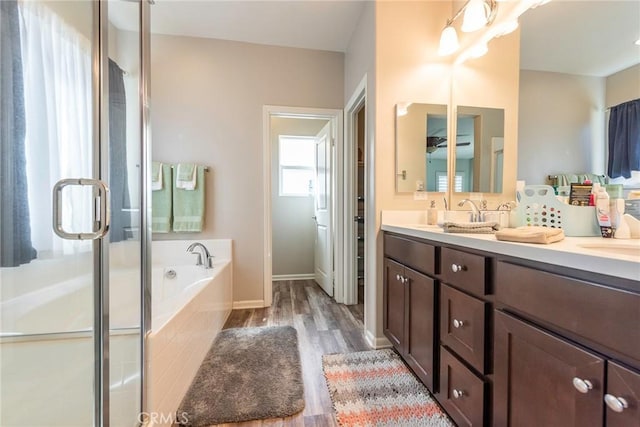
(565, 93)
(479, 149)
(421, 147)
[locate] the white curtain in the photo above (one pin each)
(57, 81)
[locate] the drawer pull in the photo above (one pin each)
(583, 386)
(457, 268)
(458, 323)
(457, 394)
(616, 404)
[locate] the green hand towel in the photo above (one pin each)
(188, 205)
(161, 203)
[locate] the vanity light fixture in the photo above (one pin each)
(477, 14)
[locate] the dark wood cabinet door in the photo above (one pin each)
(462, 325)
(419, 344)
(623, 397)
(394, 304)
(462, 393)
(537, 377)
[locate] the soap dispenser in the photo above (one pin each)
(432, 213)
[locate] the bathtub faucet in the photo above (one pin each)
(205, 254)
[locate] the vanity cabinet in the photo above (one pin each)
(514, 342)
(409, 304)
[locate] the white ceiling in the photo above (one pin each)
(311, 24)
(571, 36)
(594, 38)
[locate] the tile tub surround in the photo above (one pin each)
(177, 347)
(566, 253)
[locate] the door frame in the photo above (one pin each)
(335, 117)
(348, 284)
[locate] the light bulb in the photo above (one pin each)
(448, 41)
(475, 16)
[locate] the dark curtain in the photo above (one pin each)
(15, 230)
(624, 139)
(120, 220)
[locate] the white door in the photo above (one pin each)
(323, 249)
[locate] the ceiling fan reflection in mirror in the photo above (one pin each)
(435, 142)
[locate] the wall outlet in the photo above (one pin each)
(420, 195)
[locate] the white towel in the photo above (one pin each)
(186, 176)
(156, 176)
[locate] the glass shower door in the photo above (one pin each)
(125, 332)
(69, 298)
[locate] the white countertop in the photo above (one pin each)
(570, 252)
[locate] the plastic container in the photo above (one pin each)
(538, 206)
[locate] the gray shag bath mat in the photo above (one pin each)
(248, 374)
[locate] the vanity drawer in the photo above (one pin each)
(417, 255)
(462, 393)
(598, 313)
(464, 270)
(462, 326)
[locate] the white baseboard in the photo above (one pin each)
(376, 343)
(239, 305)
(293, 277)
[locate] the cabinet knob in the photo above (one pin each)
(458, 323)
(616, 404)
(457, 268)
(398, 277)
(583, 386)
(457, 394)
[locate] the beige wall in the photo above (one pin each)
(561, 125)
(207, 99)
(407, 69)
(293, 229)
(623, 86)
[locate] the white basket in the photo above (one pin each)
(538, 206)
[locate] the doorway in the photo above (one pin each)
(287, 211)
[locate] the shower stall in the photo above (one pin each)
(74, 212)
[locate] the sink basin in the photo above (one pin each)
(615, 248)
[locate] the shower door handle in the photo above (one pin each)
(101, 210)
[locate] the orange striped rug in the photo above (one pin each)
(375, 388)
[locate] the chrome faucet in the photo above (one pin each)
(205, 252)
(475, 212)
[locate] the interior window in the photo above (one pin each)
(296, 165)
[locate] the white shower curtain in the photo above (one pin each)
(57, 81)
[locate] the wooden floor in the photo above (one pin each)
(323, 327)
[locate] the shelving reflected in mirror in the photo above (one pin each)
(421, 147)
(479, 149)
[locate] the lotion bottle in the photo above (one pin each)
(602, 212)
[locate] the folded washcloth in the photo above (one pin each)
(471, 227)
(186, 176)
(156, 176)
(531, 234)
(188, 205)
(161, 203)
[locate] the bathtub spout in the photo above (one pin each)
(204, 255)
